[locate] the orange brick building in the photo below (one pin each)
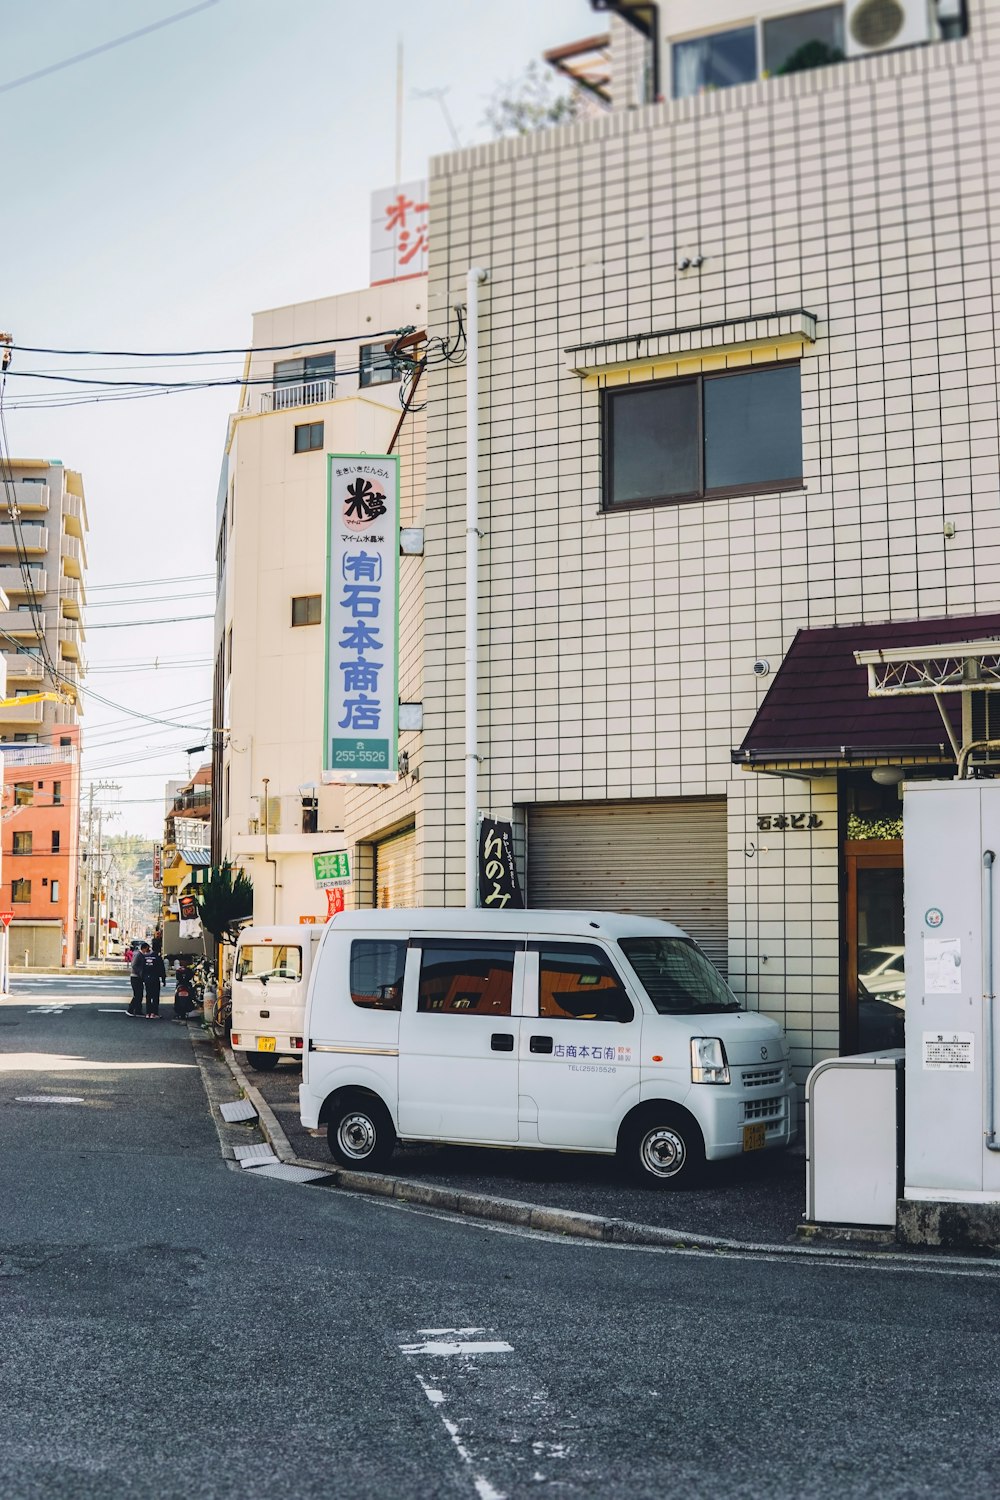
(41, 824)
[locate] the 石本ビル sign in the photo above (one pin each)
(332, 870)
(498, 883)
(362, 619)
(399, 232)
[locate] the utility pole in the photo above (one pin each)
(95, 786)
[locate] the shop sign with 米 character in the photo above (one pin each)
(499, 887)
(362, 619)
(331, 871)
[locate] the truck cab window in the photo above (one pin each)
(579, 983)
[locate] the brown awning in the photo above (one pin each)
(817, 714)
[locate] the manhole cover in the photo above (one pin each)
(48, 1099)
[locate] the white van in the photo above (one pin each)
(578, 1031)
(270, 979)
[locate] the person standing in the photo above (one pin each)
(136, 978)
(153, 975)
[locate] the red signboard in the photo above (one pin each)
(6, 917)
(334, 901)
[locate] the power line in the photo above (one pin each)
(118, 41)
(96, 588)
(130, 624)
(343, 338)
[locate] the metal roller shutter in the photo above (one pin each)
(396, 870)
(659, 859)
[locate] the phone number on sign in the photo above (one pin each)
(590, 1068)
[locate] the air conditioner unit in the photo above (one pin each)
(882, 25)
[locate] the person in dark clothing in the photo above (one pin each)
(135, 977)
(184, 997)
(153, 975)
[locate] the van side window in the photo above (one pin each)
(579, 983)
(467, 979)
(377, 974)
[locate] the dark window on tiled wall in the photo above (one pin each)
(676, 440)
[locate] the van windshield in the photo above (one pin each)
(677, 976)
(269, 962)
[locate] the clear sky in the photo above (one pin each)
(156, 195)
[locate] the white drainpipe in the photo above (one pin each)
(474, 280)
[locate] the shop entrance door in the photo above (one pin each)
(875, 992)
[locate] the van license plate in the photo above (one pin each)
(753, 1137)
(266, 1044)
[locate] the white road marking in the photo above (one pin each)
(46, 1010)
(471, 1389)
(444, 1349)
(48, 1099)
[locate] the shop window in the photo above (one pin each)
(715, 62)
(24, 793)
(809, 39)
(20, 891)
(307, 609)
(308, 437)
(580, 984)
(474, 979)
(377, 975)
(673, 440)
(22, 843)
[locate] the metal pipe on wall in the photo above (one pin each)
(474, 280)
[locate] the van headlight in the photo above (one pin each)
(709, 1063)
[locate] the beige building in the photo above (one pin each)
(322, 383)
(738, 420)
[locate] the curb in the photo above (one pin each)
(567, 1222)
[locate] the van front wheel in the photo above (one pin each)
(664, 1150)
(360, 1134)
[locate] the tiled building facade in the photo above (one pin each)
(838, 222)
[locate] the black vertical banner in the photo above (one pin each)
(499, 888)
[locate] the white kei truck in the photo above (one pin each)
(270, 978)
(540, 1030)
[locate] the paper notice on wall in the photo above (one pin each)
(950, 1051)
(942, 966)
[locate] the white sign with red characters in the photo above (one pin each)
(399, 233)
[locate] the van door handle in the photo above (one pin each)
(540, 1044)
(502, 1041)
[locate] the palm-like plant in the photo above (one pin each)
(225, 900)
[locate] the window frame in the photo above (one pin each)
(20, 891)
(26, 838)
(609, 393)
(400, 943)
(390, 373)
(513, 942)
(540, 946)
(311, 428)
(298, 598)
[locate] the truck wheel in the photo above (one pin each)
(262, 1061)
(665, 1149)
(360, 1134)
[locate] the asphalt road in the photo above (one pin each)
(171, 1327)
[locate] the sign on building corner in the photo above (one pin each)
(361, 727)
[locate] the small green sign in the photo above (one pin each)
(359, 755)
(331, 870)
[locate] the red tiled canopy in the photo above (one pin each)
(818, 705)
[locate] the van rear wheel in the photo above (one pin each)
(665, 1149)
(262, 1061)
(360, 1134)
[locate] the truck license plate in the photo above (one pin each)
(753, 1137)
(266, 1044)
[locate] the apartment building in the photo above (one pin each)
(43, 560)
(322, 384)
(738, 421)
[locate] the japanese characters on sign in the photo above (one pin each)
(157, 867)
(362, 628)
(334, 901)
(598, 1054)
(332, 871)
(399, 232)
(779, 822)
(498, 883)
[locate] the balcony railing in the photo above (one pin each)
(26, 713)
(308, 393)
(24, 668)
(21, 621)
(199, 801)
(26, 496)
(38, 755)
(73, 554)
(36, 538)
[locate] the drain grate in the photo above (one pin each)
(239, 1109)
(287, 1173)
(49, 1099)
(253, 1156)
